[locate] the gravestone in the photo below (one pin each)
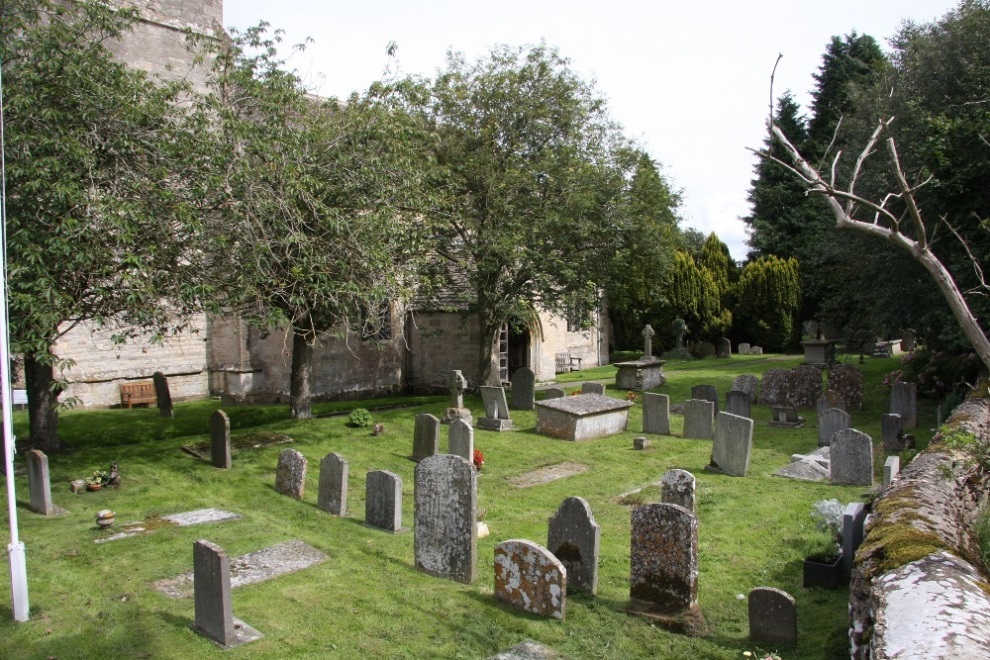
(456, 384)
(647, 342)
(830, 422)
(733, 445)
(738, 403)
(332, 495)
(162, 395)
(460, 440)
(664, 560)
(523, 389)
(830, 399)
(851, 458)
(853, 518)
(743, 348)
(786, 417)
(806, 385)
(891, 468)
(847, 381)
(593, 388)
(678, 487)
(574, 538)
(39, 482)
(496, 410)
(426, 436)
(290, 475)
(656, 413)
(383, 501)
(775, 388)
(554, 393)
(772, 616)
(706, 393)
(220, 439)
(908, 340)
(699, 418)
(747, 383)
(904, 402)
(214, 612)
(724, 348)
(529, 578)
(755, 350)
(892, 432)
(446, 537)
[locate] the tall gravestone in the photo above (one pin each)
(426, 436)
(831, 422)
(220, 440)
(656, 413)
(575, 538)
(523, 389)
(775, 388)
(706, 393)
(806, 385)
(733, 445)
(446, 537)
(853, 519)
(496, 409)
(162, 394)
(738, 403)
(39, 482)
(851, 458)
(290, 475)
(678, 487)
(529, 578)
(593, 388)
(460, 439)
(214, 616)
(383, 501)
(332, 495)
(892, 432)
(772, 616)
(904, 402)
(847, 381)
(699, 417)
(664, 560)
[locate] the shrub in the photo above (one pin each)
(937, 372)
(359, 417)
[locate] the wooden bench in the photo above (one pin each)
(142, 392)
(567, 362)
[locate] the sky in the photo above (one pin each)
(688, 81)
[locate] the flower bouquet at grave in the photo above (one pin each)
(478, 459)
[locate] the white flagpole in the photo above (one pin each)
(15, 550)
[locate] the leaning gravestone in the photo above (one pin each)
(724, 348)
(772, 616)
(523, 389)
(446, 537)
(593, 388)
(738, 403)
(830, 422)
(383, 501)
(733, 445)
(656, 413)
(904, 402)
(892, 432)
(678, 487)
(851, 458)
(290, 475)
(528, 577)
(554, 393)
(664, 560)
(220, 439)
(214, 612)
(775, 388)
(699, 417)
(806, 384)
(847, 381)
(460, 439)
(332, 495)
(426, 436)
(574, 538)
(747, 383)
(706, 393)
(496, 410)
(39, 482)
(162, 395)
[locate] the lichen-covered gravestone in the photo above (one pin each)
(523, 389)
(775, 388)
(733, 445)
(706, 393)
(290, 475)
(847, 381)
(656, 413)
(332, 495)
(528, 577)
(664, 562)
(426, 436)
(383, 501)
(747, 383)
(574, 538)
(460, 439)
(851, 458)
(446, 537)
(699, 417)
(772, 616)
(220, 440)
(806, 385)
(678, 487)
(831, 422)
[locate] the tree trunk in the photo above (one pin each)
(487, 355)
(42, 401)
(300, 380)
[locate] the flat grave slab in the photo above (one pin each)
(252, 568)
(528, 650)
(547, 474)
(183, 519)
(582, 417)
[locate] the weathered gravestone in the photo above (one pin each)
(892, 432)
(699, 418)
(806, 385)
(460, 439)
(523, 389)
(332, 495)
(724, 348)
(678, 487)
(529, 578)
(220, 439)
(290, 475)
(743, 348)
(775, 388)
(772, 616)
(593, 388)
(214, 612)
(39, 482)
(733, 445)
(554, 393)
(656, 413)
(747, 383)
(853, 518)
(457, 384)
(904, 402)
(830, 399)
(496, 410)
(847, 381)
(891, 468)
(664, 562)
(426, 436)
(706, 393)
(851, 461)
(162, 395)
(446, 537)
(755, 350)
(383, 501)
(830, 422)
(574, 538)
(738, 403)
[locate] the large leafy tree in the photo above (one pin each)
(769, 299)
(527, 158)
(101, 210)
(694, 295)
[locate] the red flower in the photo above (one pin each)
(479, 459)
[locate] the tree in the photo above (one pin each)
(528, 161)
(769, 301)
(693, 296)
(102, 207)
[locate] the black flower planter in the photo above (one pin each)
(826, 576)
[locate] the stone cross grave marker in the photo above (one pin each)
(214, 618)
(523, 389)
(39, 482)
(706, 393)
(656, 413)
(460, 440)
(575, 538)
(891, 468)
(847, 381)
(496, 410)
(554, 393)
(831, 422)
(457, 384)
(426, 436)
(851, 457)
(738, 403)
(772, 616)
(699, 417)
(892, 432)
(747, 383)
(332, 495)
(733, 445)
(648, 341)
(593, 388)
(290, 475)
(664, 560)
(162, 395)
(383, 501)
(678, 487)
(446, 537)
(220, 440)
(904, 402)
(529, 578)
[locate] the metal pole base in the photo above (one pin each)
(18, 581)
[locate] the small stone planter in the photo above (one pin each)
(826, 576)
(105, 518)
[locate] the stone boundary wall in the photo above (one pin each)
(919, 586)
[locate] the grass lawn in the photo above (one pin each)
(368, 600)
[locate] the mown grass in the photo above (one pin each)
(368, 600)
